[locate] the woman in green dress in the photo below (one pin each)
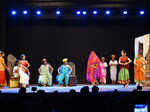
(124, 62)
(45, 71)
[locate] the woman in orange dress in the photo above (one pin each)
(139, 70)
(3, 67)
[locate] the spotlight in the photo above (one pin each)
(38, 12)
(84, 12)
(13, 12)
(78, 12)
(58, 12)
(95, 12)
(142, 12)
(24, 12)
(107, 12)
(125, 12)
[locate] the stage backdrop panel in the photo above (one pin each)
(73, 41)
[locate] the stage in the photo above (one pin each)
(102, 88)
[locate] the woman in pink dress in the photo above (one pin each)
(94, 69)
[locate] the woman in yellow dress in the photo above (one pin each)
(139, 70)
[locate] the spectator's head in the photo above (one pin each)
(85, 89)
(115, 93)
(40, 92)
(72, 91)
(55, 92)
(22, 90)
(95, 89)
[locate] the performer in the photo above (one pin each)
(45, 71)
(16, 69)
(113, 68)
(25, 63)
(3, 67)
(64, 72)
(124, 62)
(24, 76)
(94, 69)
(139, 70)
(104, 72)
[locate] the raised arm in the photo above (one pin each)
(70, 69)
(129, 60)
(51, 68)
(39, 70)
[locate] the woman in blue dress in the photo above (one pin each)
(63, 73)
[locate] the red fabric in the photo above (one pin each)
(124, 59)
(24, 63)
(93, 73)
(3, 78)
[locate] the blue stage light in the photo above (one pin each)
(125, 12)
(84, 12)
(38, 12)
(13, 12)
(78, 12)
(58, 12)
(142, 12)
(107, 12)
(95, 12)
(24, 12)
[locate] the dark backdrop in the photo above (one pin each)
(72, 41)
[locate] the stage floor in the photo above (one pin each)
(102, 88)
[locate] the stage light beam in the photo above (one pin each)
(84, 12)
(125, 12)
(95, 12)
(24, 12)
(58, 12)
(13, 12)
(142, 12)
(78, 12)
(38, 12)
(107, 12)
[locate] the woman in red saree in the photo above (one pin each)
(94, 69)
